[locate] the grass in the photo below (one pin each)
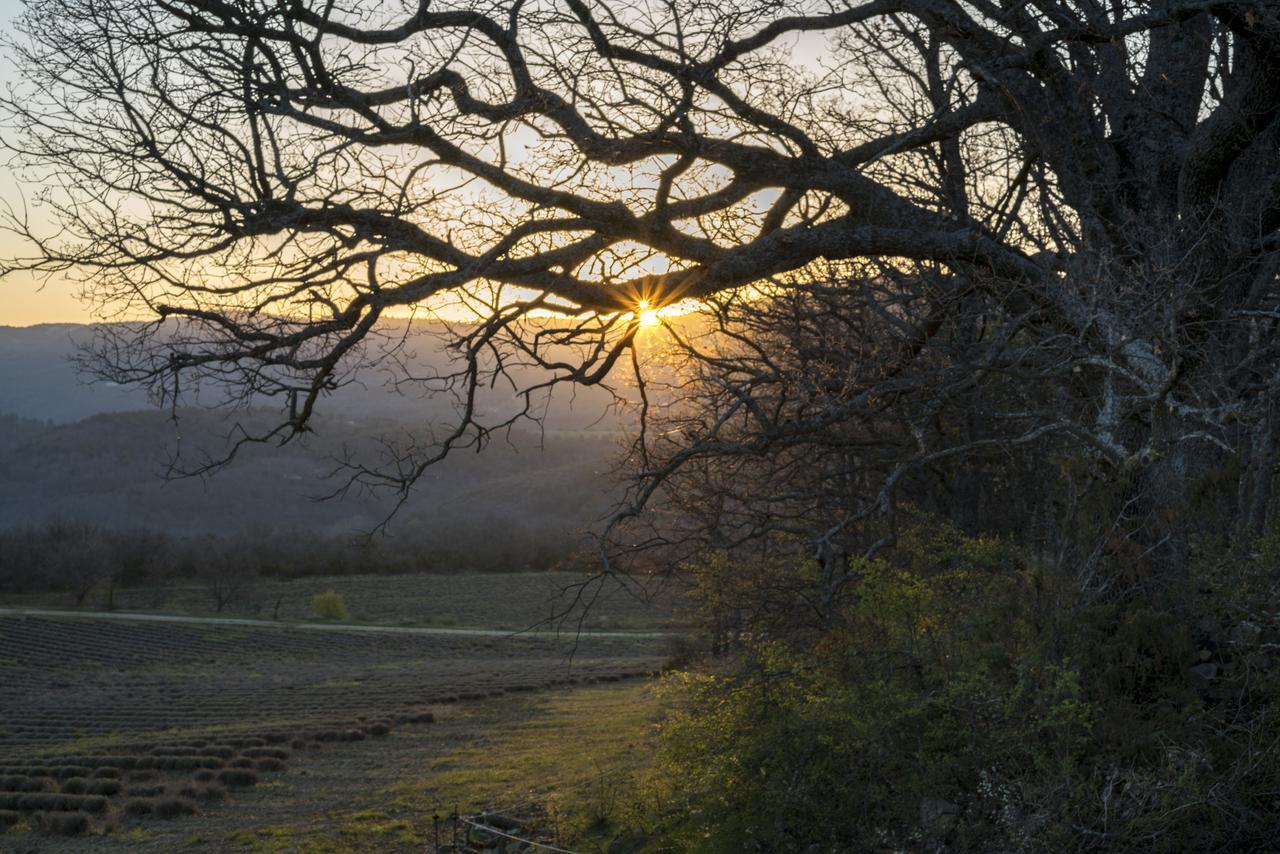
(569, 761)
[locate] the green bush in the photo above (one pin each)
(329, 606)
(960, 697)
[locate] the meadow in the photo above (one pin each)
(510, 601)
(116, 730)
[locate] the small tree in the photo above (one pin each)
(228, 569)
(329, 605)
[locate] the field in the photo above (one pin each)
(509, 601)
(114, 727)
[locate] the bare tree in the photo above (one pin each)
(78, 559)
(1079, 200)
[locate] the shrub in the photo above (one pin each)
(52, 802)
(173, 807)
(203, 793)
(261, 752)
(329, 605)
(204, 775)
(180, 763)
(269, 764)
(160, 807)
(62, 772)
(339, 735)
(107, 762)
(104, 787)
(75, 786)
(62, 823)
(144, 791)
(22, 783)
(963, 699)
(9, 818)
(217, 751)
(237, 778)
(139, 806)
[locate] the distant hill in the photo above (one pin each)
(98, 454)
(38, 380)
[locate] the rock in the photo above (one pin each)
(1206, 671)
(501, 822)
(937, 815)
(482, 838)
(1246, 633)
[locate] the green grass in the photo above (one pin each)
(574, 760)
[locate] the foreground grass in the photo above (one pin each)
(570, 762)
(570, 765)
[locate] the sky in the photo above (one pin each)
(24, 301)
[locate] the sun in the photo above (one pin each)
(646, 316)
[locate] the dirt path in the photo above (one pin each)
(321, 627)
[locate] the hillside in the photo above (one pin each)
(99, 453)
(38, 380)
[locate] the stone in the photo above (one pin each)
(1246, 633)
(1205, 672)
(938, 815)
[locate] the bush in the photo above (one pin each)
(51, 802)
(144, 791)
(160, 807)
(237, 778)
(963, 699)
(139, 806)
(173, 807)
(203, 793)
(75, 786)
(63, 823)
(329, 606)
(104, 787)
(262, 752)
(22, 783)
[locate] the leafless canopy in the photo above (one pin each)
(1078, 198)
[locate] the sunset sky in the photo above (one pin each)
(23, 300)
